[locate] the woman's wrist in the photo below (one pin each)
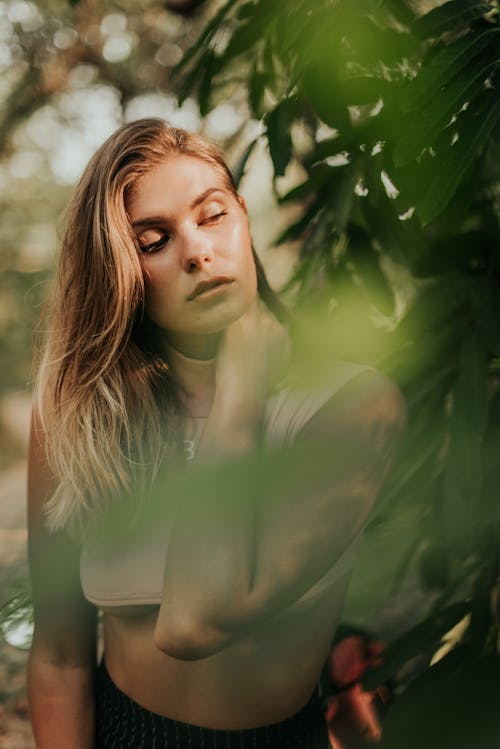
(234, 425)
(236, 403)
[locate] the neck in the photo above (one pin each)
(201, 347)
(196, 376)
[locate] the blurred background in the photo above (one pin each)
(70, 75)
(365, 136)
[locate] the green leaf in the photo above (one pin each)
(326, 148)
(463, 466)
(247, 10)
(239, 169)
(343, 195)
(442, 67)
(320, 233)
(396, 238)
(321, 66)
(312, 263)
(491, 465)
(209, 70)
(297, 229)
(465, 251)
(423, 128)
(426, 635)
(246, 35)
(256, 90)
(319, 178)
(299, 192)
(403, 12)
(365, 89)
(278, 124)
(382, 557)
(413, 471)
(205, 36)
(370, 44)
(449, 16)
(191, 79)
(482, 617)
(474, 127)
(453, 705)
(434, 567)
(366, 263)
(485, 303)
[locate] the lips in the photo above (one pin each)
(207, 285)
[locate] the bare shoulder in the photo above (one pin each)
(41, 486)
(367, 403)
(41, 482)
(372, 397)
(65, 623)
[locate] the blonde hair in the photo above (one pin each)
(105, 396)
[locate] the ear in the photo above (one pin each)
(241, 201)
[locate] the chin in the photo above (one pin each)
(223, 321)
(219, 318)
(211, 320)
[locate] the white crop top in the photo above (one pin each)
(129, 571)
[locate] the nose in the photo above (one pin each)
(197, 253)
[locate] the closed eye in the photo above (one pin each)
(214, 218)
(149, 249)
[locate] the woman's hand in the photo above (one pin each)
(251, 359)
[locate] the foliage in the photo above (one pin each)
(392, 114)
(399, 110)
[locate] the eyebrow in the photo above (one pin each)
(150, 220)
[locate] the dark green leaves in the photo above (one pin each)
(454, 705)
(423, 638)
(210, 69)
(205, 37)
(473, 130)
(244, 37)
(417, 100)
(449, 16)
(440, 69)
(423, 130)
(463, 470)
(239, 169)
(366, 261)
(279, 124)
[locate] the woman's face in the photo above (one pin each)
(195, 249)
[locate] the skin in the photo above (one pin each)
(258, 662)
(192, 228)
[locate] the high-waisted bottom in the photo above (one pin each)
(121, 723)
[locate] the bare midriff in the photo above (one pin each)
(258, 680)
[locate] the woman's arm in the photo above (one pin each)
(254, 533)
(62, 658)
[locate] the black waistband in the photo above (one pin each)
(121, 722)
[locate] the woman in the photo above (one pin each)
(158, 389)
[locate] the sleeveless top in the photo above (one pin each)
(129, 570)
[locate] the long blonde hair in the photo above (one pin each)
(106, 399)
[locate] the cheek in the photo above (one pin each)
(251, 271)
(155, 273)
(241, 239)
(251, 278)
(158, 291)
